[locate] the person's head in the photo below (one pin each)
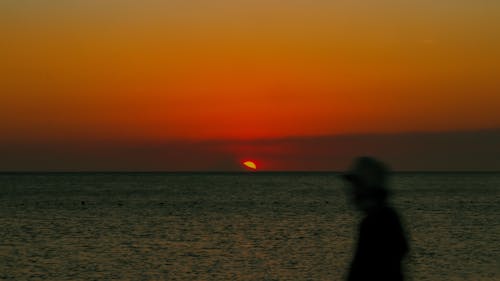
(368, 178)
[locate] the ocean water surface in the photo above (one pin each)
(215, 226)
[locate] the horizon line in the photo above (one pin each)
(236, 172)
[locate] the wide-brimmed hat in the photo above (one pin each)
(367, 170)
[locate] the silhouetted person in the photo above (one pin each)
(382, 242)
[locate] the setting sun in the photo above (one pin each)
(250, 165)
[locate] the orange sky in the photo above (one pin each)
(160, 70)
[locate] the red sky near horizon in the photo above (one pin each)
(218, 70)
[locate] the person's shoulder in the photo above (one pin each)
(389, 210)
(387, 213)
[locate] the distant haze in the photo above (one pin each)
(459, 151)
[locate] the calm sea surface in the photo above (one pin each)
(235, 226)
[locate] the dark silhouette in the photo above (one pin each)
(382, 242)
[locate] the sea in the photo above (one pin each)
(236, 226)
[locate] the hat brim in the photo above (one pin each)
(349, 177)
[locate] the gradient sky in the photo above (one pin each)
(152, 73)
